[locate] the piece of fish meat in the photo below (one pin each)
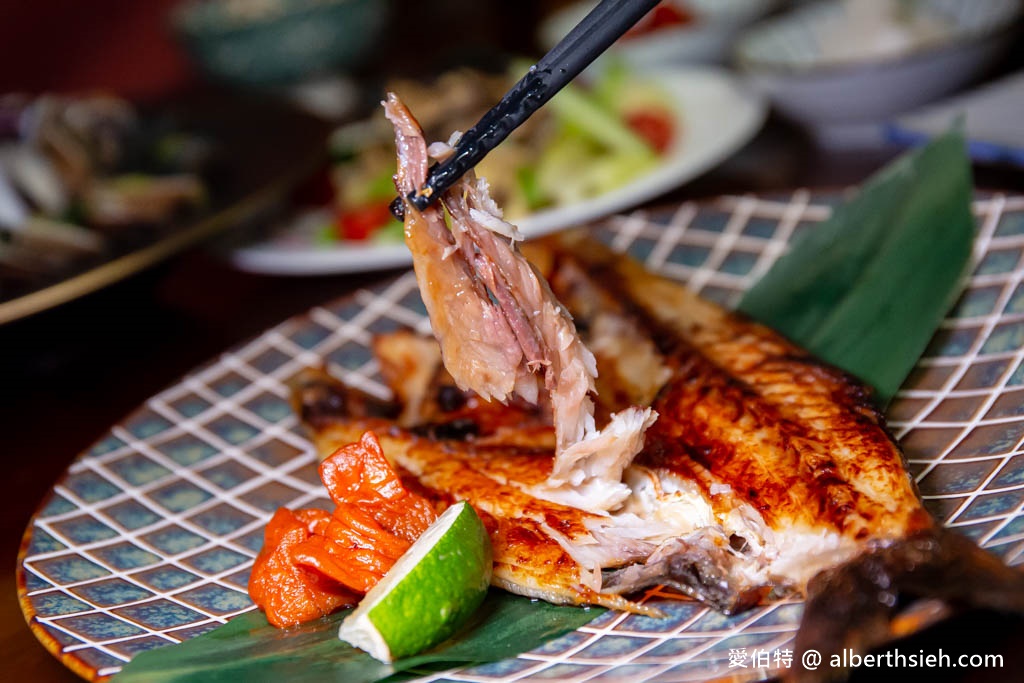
(520, 334)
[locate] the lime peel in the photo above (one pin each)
(430, 592)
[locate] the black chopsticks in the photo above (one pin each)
(607, 22)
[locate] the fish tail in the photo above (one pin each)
(864, 603)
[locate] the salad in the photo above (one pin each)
(586, 141)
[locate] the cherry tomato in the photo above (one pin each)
(664, 15)
(655, 127)
(667, 14)
(361, 222)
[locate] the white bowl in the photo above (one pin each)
(835, 65)
(706, 39)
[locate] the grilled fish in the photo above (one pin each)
(766, 473)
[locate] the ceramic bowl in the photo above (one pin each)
(279, 42)
(836, 64)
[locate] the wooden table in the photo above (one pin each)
(69, 374)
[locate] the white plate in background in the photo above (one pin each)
(715, 115)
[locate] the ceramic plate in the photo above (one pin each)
(716, 116)
(148, 538)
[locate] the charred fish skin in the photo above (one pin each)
(800, 440)
(318, 400)
(850, 478)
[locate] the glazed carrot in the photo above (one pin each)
(356, 528)
(359, 474)
(315, 519)
(290, 594)
(407, 519)
(358, 569)
(314, 561)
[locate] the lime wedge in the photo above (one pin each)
(429, 593)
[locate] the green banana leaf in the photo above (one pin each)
(866, 289)
(249, 649)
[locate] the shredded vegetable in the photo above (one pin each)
(586, 142)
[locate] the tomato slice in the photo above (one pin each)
(655, 127)
(359, 223)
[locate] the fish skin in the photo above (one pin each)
(798, 439)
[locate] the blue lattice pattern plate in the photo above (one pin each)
(148, 538)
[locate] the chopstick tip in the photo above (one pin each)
(397, 208)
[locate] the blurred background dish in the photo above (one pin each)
(278, 42)
(675, 32)
(843, 66)
(708, 114)
(93, 190)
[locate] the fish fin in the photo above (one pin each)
(863, 604)
(697, 567)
